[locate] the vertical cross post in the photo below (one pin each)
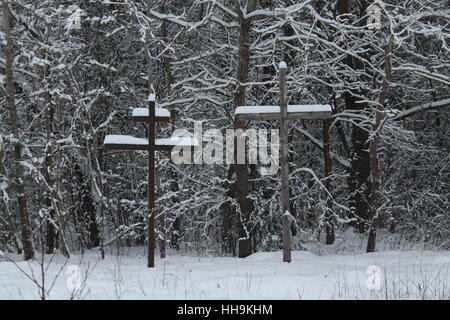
(287, 236)
(151, 184)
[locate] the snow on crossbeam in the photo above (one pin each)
(248, 113)
(119, 139)
(142, 115)
(120, 142)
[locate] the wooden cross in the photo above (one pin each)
(284, 113)
(151, 116)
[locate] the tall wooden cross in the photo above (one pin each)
(151, 116)
(283, 113)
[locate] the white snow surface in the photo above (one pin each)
(408, 274)
(143, 112)
(276, 109)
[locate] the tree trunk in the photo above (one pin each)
(359, 172)
(17, 152)
(86, 212)
(374, 161)
(375, 196)
(176, 226)
(285, 194)
(162, 217)
(97, 190)
(227, 212)
(174, 186)
(166, 57)
(329, 226)
(359, 182)
(241, 186)
(51, 232)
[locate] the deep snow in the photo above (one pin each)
(405, 275)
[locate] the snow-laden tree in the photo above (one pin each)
(79, 68)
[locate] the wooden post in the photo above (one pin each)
(287, 237)
(151, 184)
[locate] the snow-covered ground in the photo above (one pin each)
(405, 275)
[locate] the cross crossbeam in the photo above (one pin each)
(121, 142)
(142, 115)
(294, 112)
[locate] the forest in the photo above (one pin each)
(71, 72)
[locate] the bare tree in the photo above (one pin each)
(242, 188)
(380, 120)
(17, 152)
